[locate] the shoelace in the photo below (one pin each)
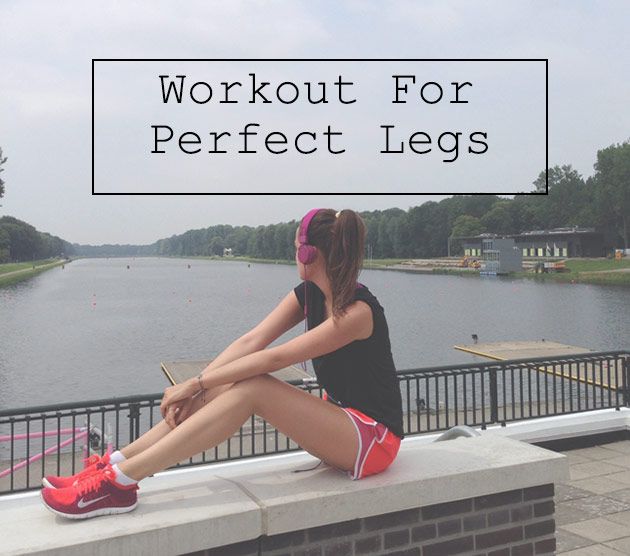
(95, 458)
(92, 482)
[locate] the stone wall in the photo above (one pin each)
(510, 523)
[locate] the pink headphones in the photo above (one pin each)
(306, 253)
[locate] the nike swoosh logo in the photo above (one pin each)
(82, 504)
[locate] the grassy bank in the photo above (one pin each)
(588, 271)
(585, 271)
(381, 263)
(374, 263)
(14, 267)
(11, 273)
(242, 259)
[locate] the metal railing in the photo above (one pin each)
(434, 399)
(513, 390)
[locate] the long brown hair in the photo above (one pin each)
(341, 239)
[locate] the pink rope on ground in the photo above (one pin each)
(37, 457)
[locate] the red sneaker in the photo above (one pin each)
(90, 465)
(95, 494)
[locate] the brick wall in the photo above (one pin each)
(512, 523)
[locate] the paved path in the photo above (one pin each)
(593, 508)
(31, 269)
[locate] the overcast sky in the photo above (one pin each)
(45, 95)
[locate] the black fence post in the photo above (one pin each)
(134, 421)
(494, 396)
(625, 378)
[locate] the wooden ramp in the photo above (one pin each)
(598, 373)
(180, 371)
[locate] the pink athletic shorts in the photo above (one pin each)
(378, 446)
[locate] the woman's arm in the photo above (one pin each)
(285, 316)
(332, 334)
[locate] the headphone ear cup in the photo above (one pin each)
(306, 253)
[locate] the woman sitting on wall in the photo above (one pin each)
(356, 428)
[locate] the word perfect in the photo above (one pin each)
(274, 142)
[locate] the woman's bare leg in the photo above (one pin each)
(162, 428)
(321, 428)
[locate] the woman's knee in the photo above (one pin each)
(210, 394)
(251, 388)
(246, 388)
(251, 383)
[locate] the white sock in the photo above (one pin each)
(122, 478)
(116, 457)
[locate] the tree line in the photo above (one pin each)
(20, 241)
(601, 201)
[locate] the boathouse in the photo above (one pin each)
(558, 242)
(561, 242)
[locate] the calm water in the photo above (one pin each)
(97, 329)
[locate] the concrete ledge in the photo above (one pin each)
(224, 504)
(174, 516)
(420, 476)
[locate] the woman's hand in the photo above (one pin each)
(176, 399)
(178, 412)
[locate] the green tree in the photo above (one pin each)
(24, 240)
(216, 245)
(237, 240)
(2, 161)
(499, 218)
(399, 230)
(289, 240)
(566, 195)
(429, 230)
(563, 206)
(540, 183)
(5, 246)
(255, 243)
(371, 238)
(466, 226)
(472, 205)
(268, 242)
(612, 177)
(385, 247)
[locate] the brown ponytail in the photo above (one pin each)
(341, 238)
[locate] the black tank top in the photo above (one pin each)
(361, 374)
